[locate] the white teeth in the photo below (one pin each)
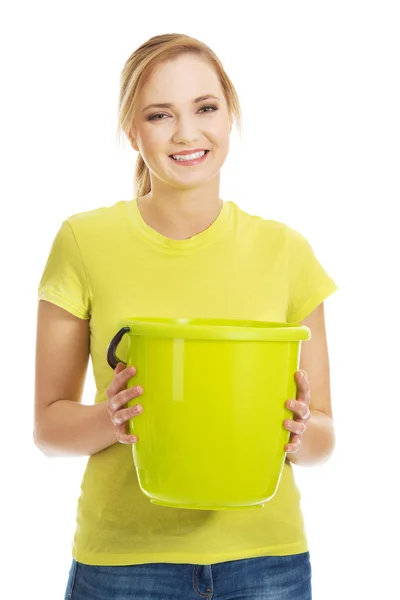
(189, 156)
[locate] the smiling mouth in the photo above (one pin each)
(189, 157)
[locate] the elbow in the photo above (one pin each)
(328, 446)
(37, 440)
(40, 442)
(332, 444)
(36, 437)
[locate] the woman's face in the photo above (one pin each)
(189, 122)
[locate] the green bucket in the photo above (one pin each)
(211, 435)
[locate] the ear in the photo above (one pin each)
(132, 140)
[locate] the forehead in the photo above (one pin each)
(180, 80)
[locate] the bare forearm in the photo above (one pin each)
(318, 441)
(68, 428)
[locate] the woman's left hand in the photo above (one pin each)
(302, 414)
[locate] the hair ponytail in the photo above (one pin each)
(142, 182)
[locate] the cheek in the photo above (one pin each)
(152, 144)
(152, 139)
(221, 141)
(221, 134)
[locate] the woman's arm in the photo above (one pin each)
(317, 442)
(62, 425)
(318, 439)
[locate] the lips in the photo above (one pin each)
(185, 152)
(189, 162)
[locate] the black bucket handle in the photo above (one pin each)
(112, 357)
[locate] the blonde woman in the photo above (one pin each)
(175, 249)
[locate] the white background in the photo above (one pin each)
(318, 84)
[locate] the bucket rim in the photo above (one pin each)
(215, 329)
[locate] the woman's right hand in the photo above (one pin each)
(118, 396)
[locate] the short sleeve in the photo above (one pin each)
(64, 279)
(308, 282)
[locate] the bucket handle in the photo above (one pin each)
(112, 357)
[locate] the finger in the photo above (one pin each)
(121, 416)
(300, 409)
(290, 448)
(303, 385)
(125, 375)
(121, 378)
(295, 426)
(301, 375)
(126, 438)
(294, 443)
(123, 435)
(122, 398)
(120, 367)
(122, 429)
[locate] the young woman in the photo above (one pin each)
(176, 249)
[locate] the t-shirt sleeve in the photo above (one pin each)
(64, 280)
(308, 282)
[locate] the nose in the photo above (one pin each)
(185, 131)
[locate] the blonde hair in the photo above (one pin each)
(137, 71)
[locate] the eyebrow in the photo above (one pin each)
(170, 105)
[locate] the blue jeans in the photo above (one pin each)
(265, 578)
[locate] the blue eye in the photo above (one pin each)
(155, 116)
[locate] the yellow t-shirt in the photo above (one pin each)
(106, 265)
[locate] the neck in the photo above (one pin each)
(180, 214)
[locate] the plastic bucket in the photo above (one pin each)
(211, 434)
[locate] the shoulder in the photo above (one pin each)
(269, 228)
(103, 217)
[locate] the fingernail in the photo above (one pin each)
(291, 404)
(304, 375)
